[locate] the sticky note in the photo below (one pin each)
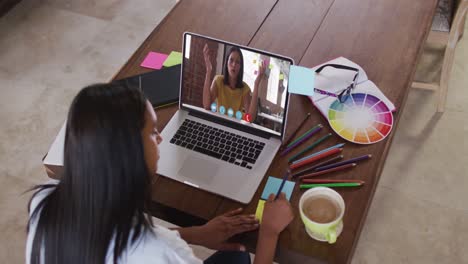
(270, 66)
(254, 61)
(154, 60)
(301, 80)
(259, 211)
(272, 186)
(174, 58)
(281, 76)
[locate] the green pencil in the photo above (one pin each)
(320, 140)
(341, 184)
(302, 136)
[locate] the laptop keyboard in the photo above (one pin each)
(218, 143)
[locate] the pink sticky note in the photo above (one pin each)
(154, 60)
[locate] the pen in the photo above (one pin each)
(286, 175)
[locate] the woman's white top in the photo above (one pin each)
(160, 246)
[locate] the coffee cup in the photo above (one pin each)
(322, 211)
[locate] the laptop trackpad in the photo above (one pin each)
(198, 170)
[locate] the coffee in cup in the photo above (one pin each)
(322, 211)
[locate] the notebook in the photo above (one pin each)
(161, 87)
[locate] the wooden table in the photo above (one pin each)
(385, 37)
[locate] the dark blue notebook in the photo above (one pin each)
(161, 87)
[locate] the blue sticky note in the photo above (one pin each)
(301, 80)
(273, 185)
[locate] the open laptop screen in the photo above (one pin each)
(238, 83)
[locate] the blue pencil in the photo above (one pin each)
(286, 175)
(319, 152)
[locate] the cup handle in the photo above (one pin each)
(331, 236)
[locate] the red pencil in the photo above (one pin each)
(315, 158)
(343, 167)
(329, 181)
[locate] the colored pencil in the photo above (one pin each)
(323, 163)
(315, 158)
(341, 184)
(330, 181)
(308, 135)
(297, 130)
(318, 152)
(316, 143)
(301, 136)
(347, 166)
(286, 175)
(344, 162)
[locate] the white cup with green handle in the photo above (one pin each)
(322, 214)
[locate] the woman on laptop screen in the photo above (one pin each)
(229, 91)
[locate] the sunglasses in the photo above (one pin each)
(345, 93)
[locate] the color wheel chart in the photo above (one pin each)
(361, 119)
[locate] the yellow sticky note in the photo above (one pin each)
(259, 211)
(281, 77)
(270, 66)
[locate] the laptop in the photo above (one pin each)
(225, 134)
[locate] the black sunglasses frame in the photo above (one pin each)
(343, 95)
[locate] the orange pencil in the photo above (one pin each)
(315, 158)
(329, 181)
(343, 167)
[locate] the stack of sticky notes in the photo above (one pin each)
(156, 60)
(272, 186)
(301, 80)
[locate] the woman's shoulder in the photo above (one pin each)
(162, 245)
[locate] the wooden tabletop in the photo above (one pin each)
(385, 37)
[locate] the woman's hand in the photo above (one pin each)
(277, 215)
(206, 55)
(215, 233)
(253, 101)
(261, 72)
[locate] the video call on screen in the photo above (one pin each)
(235, 82)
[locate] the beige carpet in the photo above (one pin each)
(49, 49)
